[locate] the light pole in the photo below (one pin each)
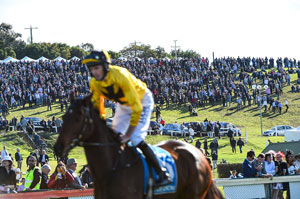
(259, 88)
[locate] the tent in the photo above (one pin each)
(27, 59)
(59, 59)
(9, 59)
(42, 59)
(74, 58)
(122, 58)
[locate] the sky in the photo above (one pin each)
(255, 28)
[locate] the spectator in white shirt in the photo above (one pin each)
(4, 153)
(192, 133)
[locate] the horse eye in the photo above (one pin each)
(70, 111)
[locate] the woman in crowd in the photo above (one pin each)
(7, 175)
(281, 167)
(289, 157)
(269, 165)
(61, 178)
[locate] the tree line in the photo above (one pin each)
(12, 45)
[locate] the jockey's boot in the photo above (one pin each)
(163, 177)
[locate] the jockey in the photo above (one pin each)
(134, 104)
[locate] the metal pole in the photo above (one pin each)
(261, 123)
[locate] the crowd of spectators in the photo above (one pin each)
(195, 81)
(37, 175)
(272, 164)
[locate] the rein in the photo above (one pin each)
(87, 121)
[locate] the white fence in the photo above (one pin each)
(249, 188)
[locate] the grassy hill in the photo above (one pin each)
(248, 119)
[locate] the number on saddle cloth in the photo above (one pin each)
(167, 162)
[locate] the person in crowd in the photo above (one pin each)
(214, 157)
(7, 174)
(44, 158)
(36, 155)
(205, 147)
(72, 166)
(33, 175)
(85, 176)
(230, 133)
(18, 174)
(214, 146)
(61, 177)
(4, 152)
(19, 158)
(248, 169)
(45, 172)
(297, 162)
(233, 174)
(269, 165)
(233, 144)
(135, 104)
(290, 162)
(281, 166)
(260, 161)
(198, 144)
(240, 143)
(191, 133)
(21, 187)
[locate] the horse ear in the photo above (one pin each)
(87, 99)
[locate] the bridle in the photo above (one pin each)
(88, 121)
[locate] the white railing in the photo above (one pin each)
(247, 188)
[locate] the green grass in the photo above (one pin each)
(248, 119)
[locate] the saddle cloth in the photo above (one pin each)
(167, 162)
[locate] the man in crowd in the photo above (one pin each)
(43, 159)
(240, 143)
(19, 158)
(72, 166)
(248, 169)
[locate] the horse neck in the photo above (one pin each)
(101, 158)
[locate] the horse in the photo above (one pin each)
(117, 170)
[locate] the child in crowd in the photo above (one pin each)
(22, 186)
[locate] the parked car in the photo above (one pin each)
(174, 129)
(278, 130)
(36, 123)
(155, 128)
(224, 130)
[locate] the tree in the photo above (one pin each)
(113, 54)
(87, 47)
(9, 51)
(161, 53)
(141, 51)
(7, 35)
(77, 51)
(185, 54)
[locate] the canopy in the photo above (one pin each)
(42, 59)
(27, 59)
(9, 59)
(59, 59)
(74, 58)
(122, 58)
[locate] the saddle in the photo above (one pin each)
(167, 162)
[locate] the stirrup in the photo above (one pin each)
(163, 180)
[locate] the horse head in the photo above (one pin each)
(77, 125)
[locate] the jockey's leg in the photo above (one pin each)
(163, 177)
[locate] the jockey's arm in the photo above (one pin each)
(128, 134)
